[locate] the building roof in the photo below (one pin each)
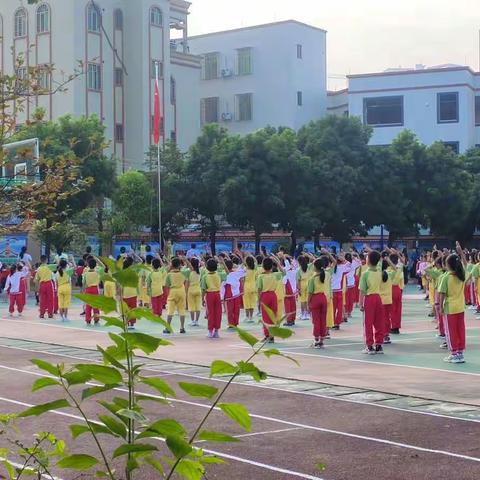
(264, 25)
(436, 69)
(331, 93)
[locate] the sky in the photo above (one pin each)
(363, 35)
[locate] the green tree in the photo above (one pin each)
(472, 166)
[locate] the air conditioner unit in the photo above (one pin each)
(226, 72)
(227, 117)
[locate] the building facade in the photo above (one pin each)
(114, 45)
(273, 74)
(437, 104)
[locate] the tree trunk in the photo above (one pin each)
(48, 242)
(100, 204)
(213, 237)
(257, 242)
(293, 242)
(316, 241)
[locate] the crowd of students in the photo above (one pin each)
(323, 288)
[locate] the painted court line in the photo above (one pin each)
(212, 452)
(20, 466)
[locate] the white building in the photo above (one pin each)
(118, 42)
(438, 104)
(273, 74)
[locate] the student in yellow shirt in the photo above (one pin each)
(109, 287)
(43, 278)
(91, 282)
(210, 283)
(318, 291)
(155, 285)
(130, 294)
(177, 297)
(452, 305)
(194, 292)
(249, 288)
(267, 286)
(387, 298)
(64, 282)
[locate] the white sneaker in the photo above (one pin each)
(210, 334)
(458, 358)
(448, 359)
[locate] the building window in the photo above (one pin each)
(22, 77)
(93, 19)
(383, 111)
(43, 19)
(118, 19)
(299, 99)
(44, 79)
(173, 136)
(154, 69)
(477, 110)
(209, 107)
(244, 61)
(299, 51)
(20, 23)
(447, 107)
(210, 66)
(156, 17)
(244, 107)
(173, 91)
(119, 77)
(119, 133)
(454, 146)
(94, 77)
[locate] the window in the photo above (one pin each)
(118, 19)
(93, 19)
(383, 111)
(154, 69)
(118, 77)
(454, 146)
(299, 51)
(94, 78)
(20, 23)
(244, 107)
(209, 107)
(43, 19)
(173, 91)
(447, 107)
(299, 99)
(22, 73)
(477, 110)
(156, 17)
(119, 133)
(244, 61)
(173, 136)
(210, 66)
(44, 79)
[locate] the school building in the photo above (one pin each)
(440, 103)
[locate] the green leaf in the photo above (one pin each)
(44, 383)
(132, 415)
(116, 427)
(198, 389)
(159, 385)
(280, 332)
(212, 461)
(135, 448)
(178, 446)
(155, 464)
(271, 314)
(37, 410)
(9, 468)
(77, 430)
(92, 391)
(163, 428)
(126, 278)
(113, 322)
(216, 437)
(145, 343)
(78, 462)
(151, 398)
(119, 341)
(190, 469)
(273, 351)
(113, 409)
(104, 304)
(247, 337)
(109, 263)
(47, 367)
(108, 358)
(238, 413)
(77, 378)
(248, 368)
(101, 373)
(140, 313)
(219, 367)
(320, 467)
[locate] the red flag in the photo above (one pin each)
(156, 115)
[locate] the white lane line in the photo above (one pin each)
(268, 433)
(21, 465)
(289, 423)
(265, 387)
(212, 452)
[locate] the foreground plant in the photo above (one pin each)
(136, 437)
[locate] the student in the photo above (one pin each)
(452, 305)
(13, 288)
(266, 286)
(386, 295)
(64, 282)
(91, 282)
(177, 297)
(25, 257)
(130, 294)
(43, 279)
(350, 298)
(303, 276)
(371, 304)
(279, 272)
(318, 292)
(194, 292)
(290, 280)
(249, 288)
(397, 292)
(211, 284)
(340, 269)
(232, 295)
(155, 284)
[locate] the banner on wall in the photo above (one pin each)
(129, 245)
(10, 245)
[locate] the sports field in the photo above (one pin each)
(405, 414)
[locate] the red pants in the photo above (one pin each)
(166, 291)
(455, 331)
(338, 307)
(131, 303)
(373, 322)
(473, 294)
(268, 299)
(387, 319)
(349, 300)
(318, 308)
(16, 299)
(214, 309)
(396, 307)
(157, 305)
(438, 316)
(23, 290)
(356, 297)
(467, 294)
(290, 303)
(45, 293)
(89, 309)
(233, 306)
(442, 320)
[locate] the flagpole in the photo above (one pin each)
(159, 176)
